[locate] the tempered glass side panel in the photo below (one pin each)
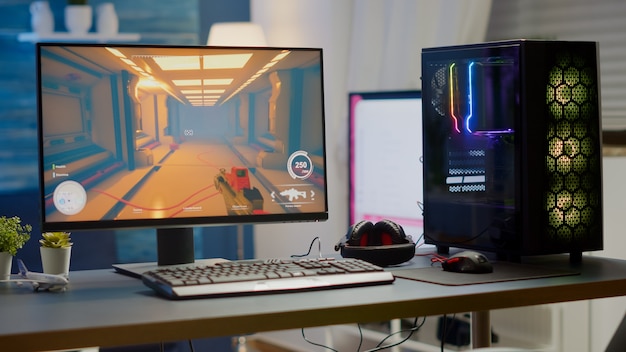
(470, 105)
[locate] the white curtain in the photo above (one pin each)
(368, 45)
(387, 38)
(601, 21)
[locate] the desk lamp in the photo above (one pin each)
(236, 34)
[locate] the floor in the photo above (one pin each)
(261, 346)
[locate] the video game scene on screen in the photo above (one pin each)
(135, 132)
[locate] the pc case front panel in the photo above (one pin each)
(562, 208)
(512, 147)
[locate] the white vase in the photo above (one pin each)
(6, 260)
(107, 22)
(56, 260)
(41, 19)
(78, 19)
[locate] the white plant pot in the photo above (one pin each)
(107, 22)
(6, 260)
(78, 19)
(41, 18)
(56, 260)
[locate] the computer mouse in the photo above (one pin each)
(467, 262)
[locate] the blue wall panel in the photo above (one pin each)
(166, 22)
(181, 22)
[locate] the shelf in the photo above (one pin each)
(87, 37)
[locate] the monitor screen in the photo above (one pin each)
(173, 137)
(386, 158)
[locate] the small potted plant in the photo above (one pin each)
(56, 250)
(78, 17)
(13, 236)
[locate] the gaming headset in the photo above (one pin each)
(382, 244)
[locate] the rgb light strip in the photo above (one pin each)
(470, 96)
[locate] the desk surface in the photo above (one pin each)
(103, 308)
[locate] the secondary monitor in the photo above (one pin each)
(386, 158)
(172, 137)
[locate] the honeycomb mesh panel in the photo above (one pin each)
(571, 196)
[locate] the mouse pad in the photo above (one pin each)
(502, 271)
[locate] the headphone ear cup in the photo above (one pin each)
(361, 233)
(389, 232)
(382, 244)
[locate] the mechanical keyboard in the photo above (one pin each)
(250, 277)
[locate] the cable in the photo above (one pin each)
(358, 348)
(191, 349)
(319, 249)
(317, 344)
(437, 258)
(444, 330)
(418, 240)
(481, 233)
(413, 329)
(379, 346)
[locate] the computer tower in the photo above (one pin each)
(512, 147)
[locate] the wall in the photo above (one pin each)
(606, 314)
(160, 22)
(181, 22)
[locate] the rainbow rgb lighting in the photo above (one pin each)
(456, 97)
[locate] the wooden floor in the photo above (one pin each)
(253, 345)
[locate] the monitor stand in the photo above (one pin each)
(174, 248)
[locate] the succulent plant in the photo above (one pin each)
(55, 240)
(13, 235)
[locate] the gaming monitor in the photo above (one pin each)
(172, 137)
(385, 158)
